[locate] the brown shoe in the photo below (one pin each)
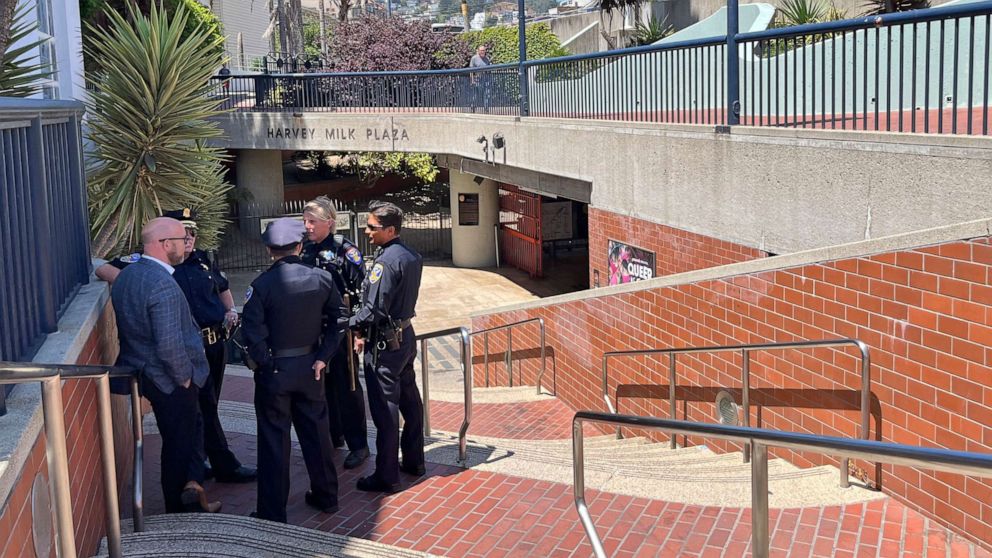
(195, 499)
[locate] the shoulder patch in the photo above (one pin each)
(130, 258)
(248, 294)
(354, 256)
(376, 273)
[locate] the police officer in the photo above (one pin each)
(383, 330)
(337, 255)
(210, 300)
(283, 327)
(212, 304)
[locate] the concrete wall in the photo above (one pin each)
(260, 172)
(921, 302)
(579, 33)
(777, 190)
(474, 245)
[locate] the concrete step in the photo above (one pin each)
(451, 393)
(634, 466)
(230, 536)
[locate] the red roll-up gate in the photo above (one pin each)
(520, 229)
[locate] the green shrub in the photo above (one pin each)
(502, 42)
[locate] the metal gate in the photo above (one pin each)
(426, 226)
(520, 229)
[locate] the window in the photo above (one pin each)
(468, 209)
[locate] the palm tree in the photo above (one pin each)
(148, 119)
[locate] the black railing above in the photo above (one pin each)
(920, 71)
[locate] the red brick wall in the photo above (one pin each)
(925, 313)
(676, 250)
(85, 476)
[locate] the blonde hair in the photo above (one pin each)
(322, 208)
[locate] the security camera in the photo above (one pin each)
(482, 139)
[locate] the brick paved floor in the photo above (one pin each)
(457, 512)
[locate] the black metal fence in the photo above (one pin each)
(492, 90)
(426, 226)
(44, 228)
(919, 71)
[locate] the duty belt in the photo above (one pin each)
(212, 334)
(403, 324)
(294, 352)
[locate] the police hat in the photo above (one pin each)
(186, 216)
(283, 233)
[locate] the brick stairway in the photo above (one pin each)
(457, 512)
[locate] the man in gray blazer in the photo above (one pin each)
(158, 336)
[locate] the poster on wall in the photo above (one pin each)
(629, 263)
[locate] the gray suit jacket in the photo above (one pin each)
(155, 327)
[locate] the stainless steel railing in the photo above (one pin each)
(746, 351)
(759, 439)
(51, 376)
(509, 348)
(466, 356)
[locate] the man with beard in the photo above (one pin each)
(159, 337)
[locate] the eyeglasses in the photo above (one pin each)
(372, 227)
(183, 238)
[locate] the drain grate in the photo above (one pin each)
(727, 410)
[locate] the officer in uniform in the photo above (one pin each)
(345, 398)
(383, 330)
(212, 305)
(289, 345)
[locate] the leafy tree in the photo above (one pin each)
(95, 14)
(503, 43)
(371, 166)
(374, 44)
(607, 9)
(19, 73)
(149, 115)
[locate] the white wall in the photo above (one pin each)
(250, 18)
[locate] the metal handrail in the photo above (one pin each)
(746, 379)
(51, 376)
(960, 462)
(466, 347)
(509, 348)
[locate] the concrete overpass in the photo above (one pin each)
(778, 190)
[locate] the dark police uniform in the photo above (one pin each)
(282, 324)
(201, 282)
(344, 261)
(389, 296)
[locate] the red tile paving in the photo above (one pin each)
(457, 512)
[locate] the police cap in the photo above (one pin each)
(186, 216)
(284, 232)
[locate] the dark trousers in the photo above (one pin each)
(215, 447)
(284, 397)
(176, 414)
(392, 387)
(346, 408)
